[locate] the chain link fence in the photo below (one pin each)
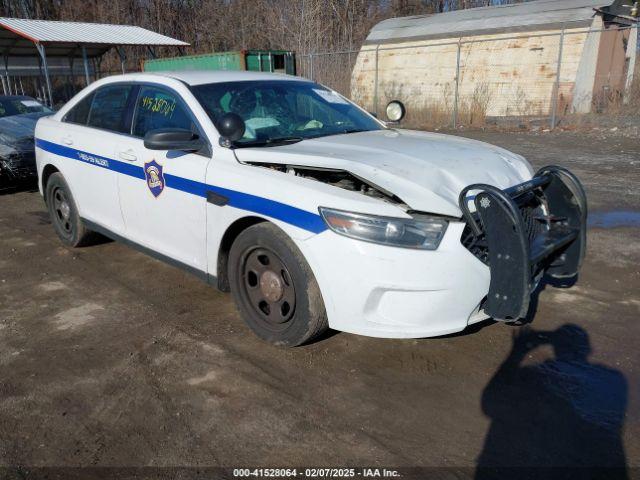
(544, 79)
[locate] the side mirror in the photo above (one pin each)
(173, 139)
(395, 111)
(231, 128)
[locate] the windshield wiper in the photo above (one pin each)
(354, 130)
(342, 132)
(271, 142)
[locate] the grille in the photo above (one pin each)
(475, 244)
(530, 208)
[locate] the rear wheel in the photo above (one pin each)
(274, 288)
(64, 213)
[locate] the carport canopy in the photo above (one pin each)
(45, 39)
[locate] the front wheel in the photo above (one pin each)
(274, 287)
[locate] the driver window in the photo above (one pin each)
(159, 108)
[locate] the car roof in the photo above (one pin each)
(200, 77)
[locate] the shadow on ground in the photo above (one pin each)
(8, 188)
(553, 419)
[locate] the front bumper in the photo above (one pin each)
(18, 166)
(389, 292)
(486, 266)
(527, 231)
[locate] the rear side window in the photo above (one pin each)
(80, 113)
(159, 108)
(109, 108)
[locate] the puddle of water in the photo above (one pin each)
(614, 219)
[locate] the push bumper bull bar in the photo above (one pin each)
(518, 253)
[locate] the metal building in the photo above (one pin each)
(532, 58)
(43, 48)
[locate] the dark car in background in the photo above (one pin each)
(18, 117)
(11, 105)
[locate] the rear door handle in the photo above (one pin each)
(67, 140)
(129, 156)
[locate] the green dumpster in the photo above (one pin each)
(280, 61)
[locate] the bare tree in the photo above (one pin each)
(304, 26)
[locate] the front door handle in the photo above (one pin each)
(67, 140)
(129, 156)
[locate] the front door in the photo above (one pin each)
(161, 206)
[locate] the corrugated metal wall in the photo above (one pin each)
(504, 75)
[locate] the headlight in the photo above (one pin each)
(422, 231)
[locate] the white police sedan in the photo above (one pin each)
(311, 211)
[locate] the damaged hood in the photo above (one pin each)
(17, 146)
(16, 133)
(427, 171)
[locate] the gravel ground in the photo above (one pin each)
(110, 358)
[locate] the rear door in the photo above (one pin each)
(165, 208)
(87, 138)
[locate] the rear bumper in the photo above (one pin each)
(525, 232)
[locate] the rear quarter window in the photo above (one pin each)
(109, 108)
(80, 113)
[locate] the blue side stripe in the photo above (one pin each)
(294, 216)
(270, 208)
(91, 159)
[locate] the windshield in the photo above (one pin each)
(281, 111)
(20, 105)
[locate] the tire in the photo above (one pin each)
(64, 212)
(274, 288)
